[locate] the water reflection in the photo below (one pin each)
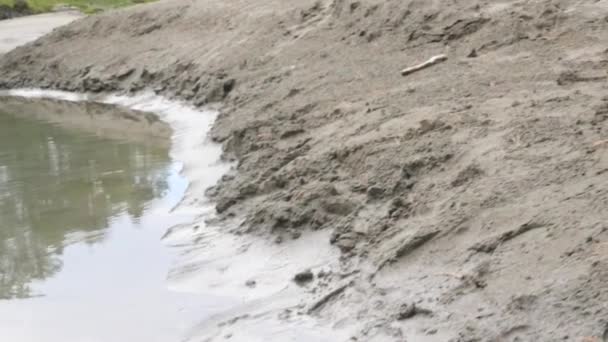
(61, 182)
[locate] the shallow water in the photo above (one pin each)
(82, 214)
(15, 32)
(209, 269)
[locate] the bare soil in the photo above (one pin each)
(468, 200)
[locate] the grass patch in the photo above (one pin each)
(86, 6)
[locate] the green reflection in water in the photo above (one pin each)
(61, 185)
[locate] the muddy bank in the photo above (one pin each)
(467, 201)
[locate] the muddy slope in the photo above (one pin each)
(469, 199)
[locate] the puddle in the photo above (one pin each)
(86, 194)
(194, 286)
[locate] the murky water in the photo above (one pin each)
(84, 202)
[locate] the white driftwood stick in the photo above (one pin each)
(600, 143)
(432, 61)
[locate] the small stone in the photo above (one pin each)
(303, 277)
(374, 192)
(406, 311)
(228, 86)
(248, 190)
(291, 131)
(357, 187)
(432, 331)
(472, 54)
(346, 243)
(250, 283)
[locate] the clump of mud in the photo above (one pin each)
(467, 200)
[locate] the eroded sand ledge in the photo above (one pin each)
(468, 201)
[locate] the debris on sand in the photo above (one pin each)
(409, 310)
(600, 143)
(304, 277)
(430, 62)
(491, 244)
(318, 304)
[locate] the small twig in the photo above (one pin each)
(600, 143)
(327, 297)
(432, 61)
(451, 275)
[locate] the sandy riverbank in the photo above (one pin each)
(466, 202)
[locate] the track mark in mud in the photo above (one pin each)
(470, 281)
(601, 113)
(455, 31)
(413, 243)
(317, 305)
(310, 19)
(522, 303)
(570, 77)
(464, 27)
(407, 246)
(467, 175)
(491, 244)
(511, 333)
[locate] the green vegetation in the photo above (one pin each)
(86, 6)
